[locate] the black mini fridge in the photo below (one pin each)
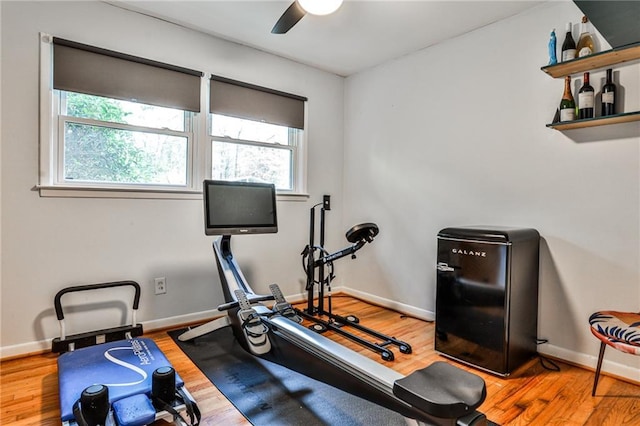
(487, 296)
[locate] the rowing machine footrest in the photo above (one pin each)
(442, 390)
(136, 410)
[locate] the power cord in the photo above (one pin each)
(551, 365)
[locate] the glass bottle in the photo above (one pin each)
(608, 106)
(585, 99)
(569, 46)
(552, 48)
(585, 41)
(567, 104)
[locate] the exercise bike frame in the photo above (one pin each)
(336, 322)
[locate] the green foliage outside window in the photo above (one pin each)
(95, 153)
(102, 154)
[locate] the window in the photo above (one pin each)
(256, 134)
(119, 125)
(106, 126)
(253, 151)
(108, 141)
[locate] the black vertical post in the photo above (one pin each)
(321, 266)
(310, 263)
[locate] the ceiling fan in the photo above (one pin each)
(299, 8)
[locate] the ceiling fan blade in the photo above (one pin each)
(289, 18)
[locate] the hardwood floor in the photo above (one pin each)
(531, 396)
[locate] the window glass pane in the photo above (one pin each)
(238, 128)
(117, 111)
(104, 154)
(232, 161)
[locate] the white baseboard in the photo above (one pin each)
(182, 319)
(584, 360)
(25, 349)
(422, 314)
(590, 362)
(45, 345)
(577, 358)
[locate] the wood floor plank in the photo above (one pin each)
(531, 396)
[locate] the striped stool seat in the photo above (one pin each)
(620, 330)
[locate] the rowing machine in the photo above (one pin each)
(440, 394)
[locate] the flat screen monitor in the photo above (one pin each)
(232, 208)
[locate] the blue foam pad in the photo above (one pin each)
(136, 410)
(124, 366)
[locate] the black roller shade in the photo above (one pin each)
(243, 100)
(86, 69)
(617, 21)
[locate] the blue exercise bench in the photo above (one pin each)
(114, 377)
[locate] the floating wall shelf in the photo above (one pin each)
(598, 121)
(608, 58)
(595, 61)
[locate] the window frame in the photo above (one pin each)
(59, 146)
(295, 146)
(51, 182)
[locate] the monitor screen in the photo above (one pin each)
(232, 208)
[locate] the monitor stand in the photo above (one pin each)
(232, 280)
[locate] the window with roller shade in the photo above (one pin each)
(256, 134)
(119, 121)
(116, 125)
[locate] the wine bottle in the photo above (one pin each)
(585, 41)
(608, 95)
(585, 99)
(567, 104)
(569, 46)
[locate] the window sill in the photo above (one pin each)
(137, 193)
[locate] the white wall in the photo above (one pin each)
(455, 135)
(452, 135)
(52, 243)
(0, 174)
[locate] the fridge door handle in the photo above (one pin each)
(444, 267)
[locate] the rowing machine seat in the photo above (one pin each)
(442, 390)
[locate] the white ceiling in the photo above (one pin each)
(360, 35)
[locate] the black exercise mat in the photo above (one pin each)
(269, 394)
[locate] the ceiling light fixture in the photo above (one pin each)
(296, 11)
(320, 7)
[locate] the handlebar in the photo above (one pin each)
(58, 304)
(252, 299)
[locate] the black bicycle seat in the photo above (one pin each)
(362, 232)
